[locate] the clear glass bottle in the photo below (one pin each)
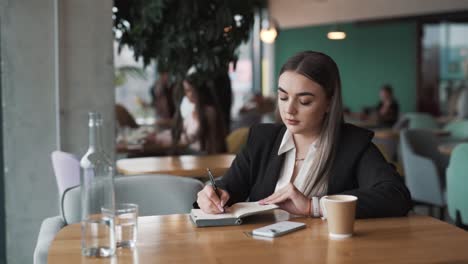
(97, 196)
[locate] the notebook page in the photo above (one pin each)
(199, 214)
(250, 208)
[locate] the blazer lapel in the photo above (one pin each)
(274, 165)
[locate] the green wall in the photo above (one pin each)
(370, 56)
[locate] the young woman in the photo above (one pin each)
(203, 129)
(387, 109)
(162, 100)
(312, 154)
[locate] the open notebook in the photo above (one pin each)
(232, 216)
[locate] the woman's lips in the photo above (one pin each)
(292, 122)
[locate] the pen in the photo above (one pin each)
(213, 184)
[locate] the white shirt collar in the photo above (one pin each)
(288, 144)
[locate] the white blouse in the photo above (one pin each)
(190, 135)
(288, 146)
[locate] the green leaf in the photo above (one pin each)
(182, 33)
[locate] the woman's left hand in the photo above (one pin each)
(289, 199)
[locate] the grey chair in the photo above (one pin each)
(154, 194)
(421, 121)
(424, 168)
(66, 169)
(415, 120)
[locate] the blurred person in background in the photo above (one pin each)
(387, 109)
(257, 109)
(221, 88)
(162, 100)
(203, 129)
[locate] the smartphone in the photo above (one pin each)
(278, 229)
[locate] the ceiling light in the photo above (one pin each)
(336, 35)
(269, 30)
(268, 35)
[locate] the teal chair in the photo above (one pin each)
(424, 168)
(154, 194)
(458, 129)
(457, 196)
(421, 121)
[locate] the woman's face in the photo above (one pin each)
(384, 95)
(189, 92)
(302, 103)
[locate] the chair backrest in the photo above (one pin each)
(457, 197)
(237, 139)
(421, 121)
(458, 129)
(422, 176)
(154, 194)
(425, 143)
(66, 169)
(124, 118)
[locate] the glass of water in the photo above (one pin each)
(97, 235)
(126, 225)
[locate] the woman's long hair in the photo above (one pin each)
(321, 69)
(211, 140)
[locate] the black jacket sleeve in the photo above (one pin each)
(237, 179)
(381, 191)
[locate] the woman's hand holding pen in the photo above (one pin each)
(210, 202)
(289, 199)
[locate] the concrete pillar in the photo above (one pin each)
(86, 71)
(28, 122)
(56, 66)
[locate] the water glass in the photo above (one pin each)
(126, 225)
(97, 235)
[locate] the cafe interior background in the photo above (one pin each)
(59, 59)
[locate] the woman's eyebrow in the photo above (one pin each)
(298, 94)
(282, 90)
(305, 93)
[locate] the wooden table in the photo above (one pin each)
(173, 239)
(447, 148)
(185, 165)
(146, 150)
(441, 133)
(387, 133)
(366, 123)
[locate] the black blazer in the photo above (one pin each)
(358, 169)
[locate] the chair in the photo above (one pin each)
(458, 129)
(124, 118)
(421, 121)
(66, 169)
(457, 196)
(424, 168)
(154, 194)
(237, 139)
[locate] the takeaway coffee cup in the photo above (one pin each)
(340, 211)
